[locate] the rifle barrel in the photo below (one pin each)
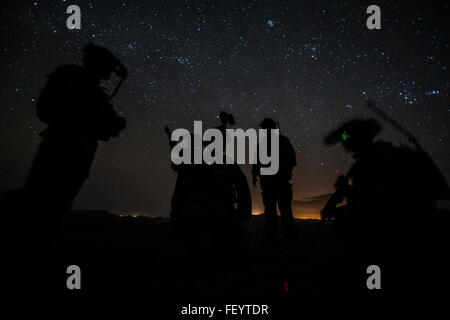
(113, 94)
(394, 123)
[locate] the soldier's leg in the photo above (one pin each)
(285, 205)
(349, 231)
(270, 211)
(76, 171)
(73, 170)
(187, 227)
(43, 189)
(56, 176)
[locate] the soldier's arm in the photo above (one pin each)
(342, 191)
(112, 123)
(118, 123)
(256, 168)
(292, 155)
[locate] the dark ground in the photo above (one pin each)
(140, 258)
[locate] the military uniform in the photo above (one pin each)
(277, 189)
(78, 112)
(390, 192)
(210, 199)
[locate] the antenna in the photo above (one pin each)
(278, 125)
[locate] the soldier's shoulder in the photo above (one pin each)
(384, 147)
(400, 154)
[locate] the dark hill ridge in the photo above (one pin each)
(141, 257)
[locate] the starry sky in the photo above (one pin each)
(309, 65)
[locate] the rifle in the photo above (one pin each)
(116, 89)
(121, 71)
(169, 137)
(395, 124)
(167, 131)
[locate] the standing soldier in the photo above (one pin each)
(209, 199)
(277, 189)
(78, 112)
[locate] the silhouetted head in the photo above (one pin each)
(356, 135)
(99, 61)
(226, 118)
(268, 124)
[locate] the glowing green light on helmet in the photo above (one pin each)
(345, 136)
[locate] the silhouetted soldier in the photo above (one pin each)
(78, 112)
(390, 191)
(225, 120)
(277, 189)
(209, 199)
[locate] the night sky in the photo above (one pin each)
(309, 65)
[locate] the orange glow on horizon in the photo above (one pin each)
(297, 215)
(315, 216)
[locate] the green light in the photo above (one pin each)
(345, 136)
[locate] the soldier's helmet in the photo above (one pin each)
(354, 134)
(268, 123)
(99, 59)
(226, 118)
